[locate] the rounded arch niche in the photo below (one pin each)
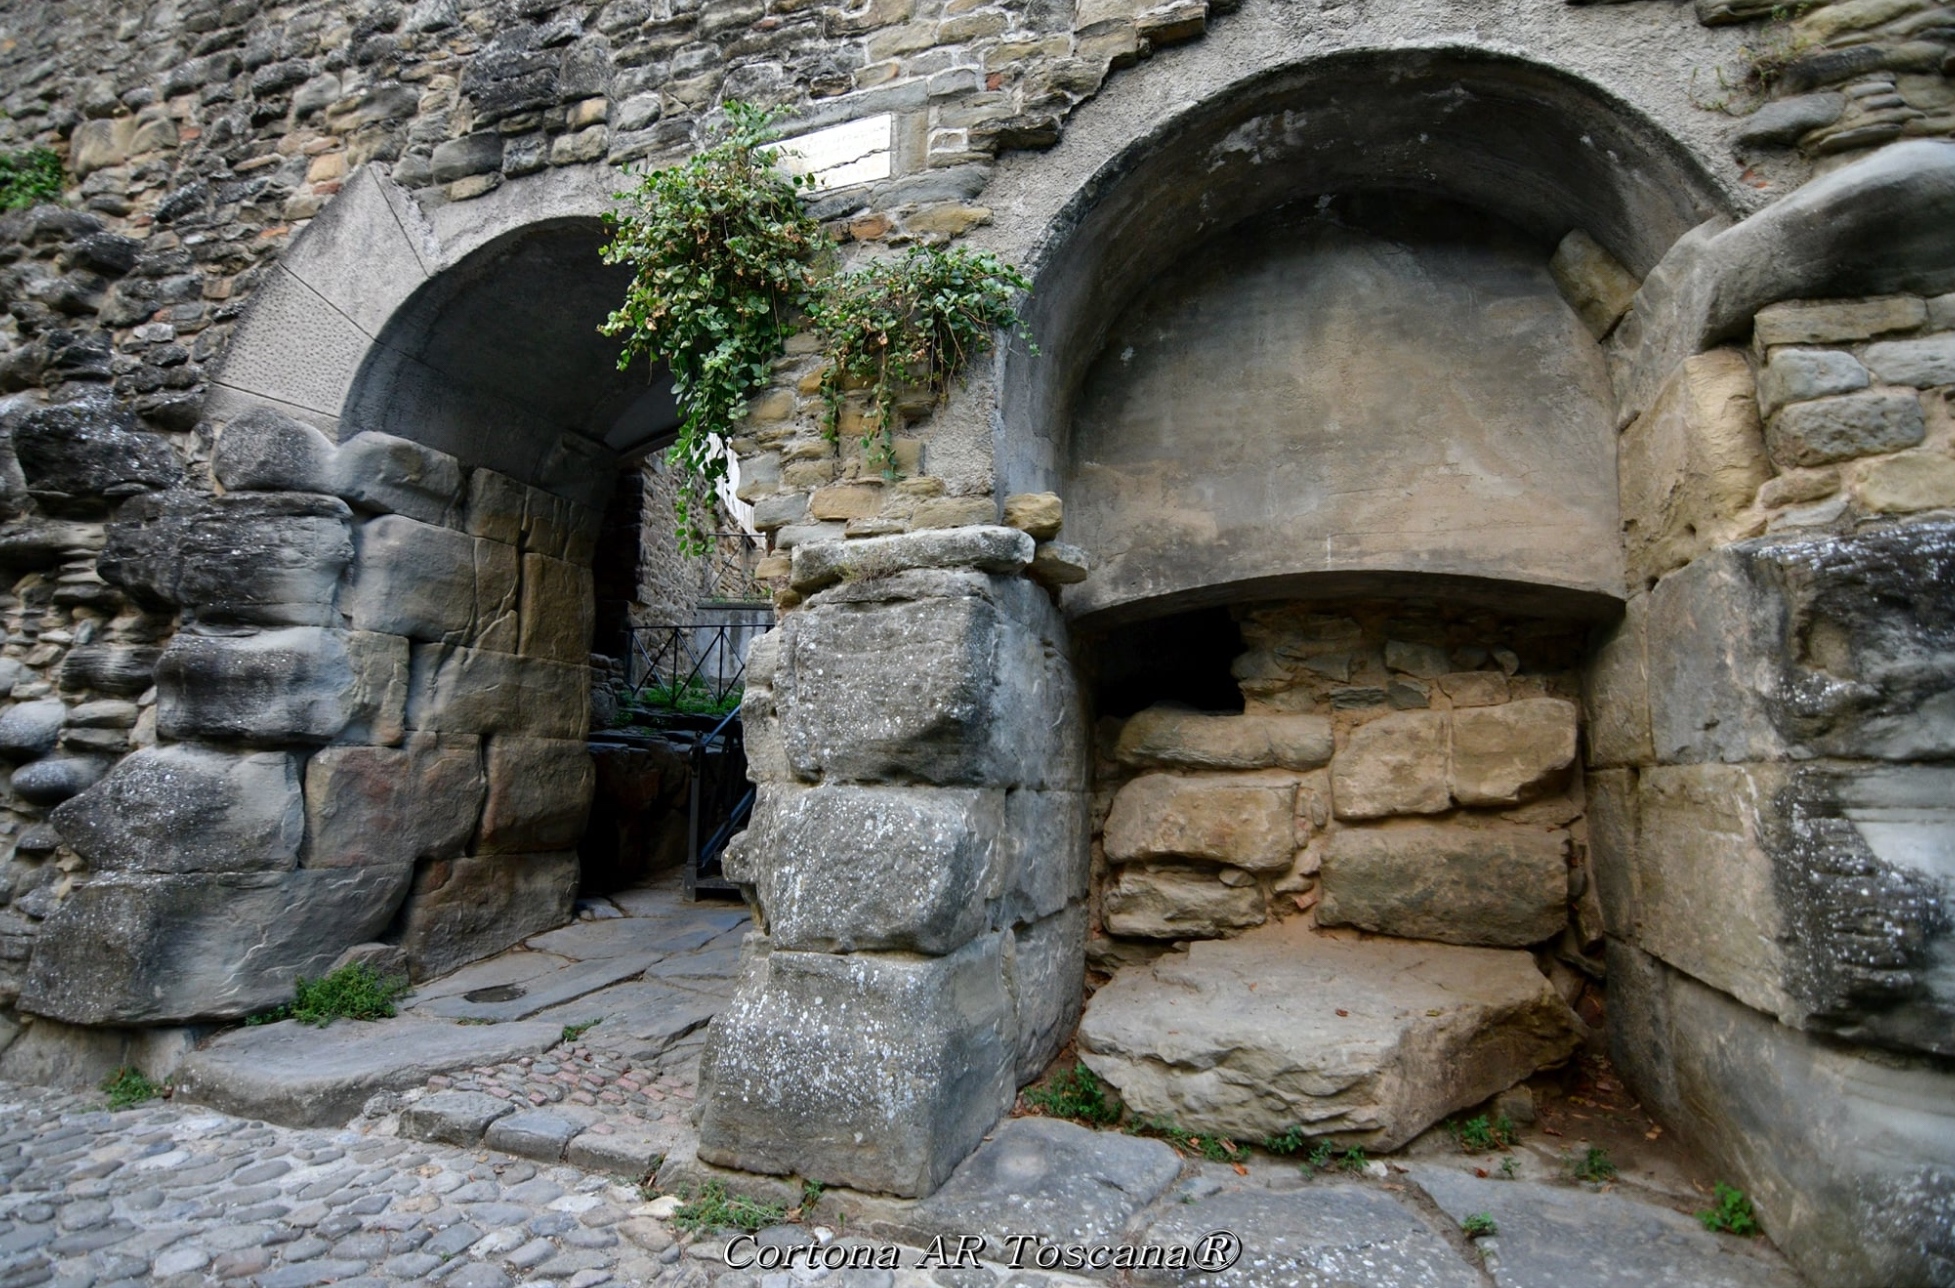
(1302, 340)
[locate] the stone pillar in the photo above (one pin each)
(917, 861)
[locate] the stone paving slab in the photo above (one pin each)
(297, 1075)
(640, 1019)
(538, 993)
(491, 972)
(679, 931)
(1552, 1235)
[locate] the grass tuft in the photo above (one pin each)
(127, 1086)
(1732, 1215)
(1479, 1136)
(356, 992)
(1076, 1093)
(1593, 1165)
(1479, 1226)
(714, 1209)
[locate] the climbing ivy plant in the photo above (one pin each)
(29, 177)
(729, 264)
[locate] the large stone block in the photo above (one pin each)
(466, 908)
(871, 1071)
(78, 456)
(539, 795)
(1837, 429)
(1366, 1043)
(1504, 885)
(1799, 375)
(180, 808)
(1516, 751)
(1395, 764)
(384, 474)
(846, 868)
(433, 584)
(142, 949)
(982, 548)
(1814, 893)
(1849, 1161)
(1167, 738)
(1045, 973)
(465, 690)
(124, 670)
(1241, 820)
(294, 685)
(1616, 691)
(267, 451)
(1178, 901)
(264, 559)
(1048, 859)
(28, 730)
(392, 805)
(559, 608)
(1610, 796)
(1690, 465)
(1924, 362)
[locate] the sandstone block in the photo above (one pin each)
(1615, 692)
(261, 559)
(466, 908)
(1906, 482)
(954, 512)
(1593, 281)
(464, 690)
(1055, 563)
(782, 1082)
(1474, 688)
(181, 808)
(559, 609)
(1041, 514)
(1426, 661)
(985, 549)
(1176, 901)
(1513, 752)
(1922, 363)
(1836, 321)
(1610, 795)
(1046, 854)
(1835, 429)
(1395, 764)
(845, 501)
(294, 685)
(1168, 738)
(1045, 974)
(381, 473)
(1238, 821)
(1800, 375)
(1501, 885)
(539, 795)
(267, 451)
(432, 583)
(392, 805)
(1364, 1043)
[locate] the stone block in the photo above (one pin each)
(1513, 752)
(1395, 764)
(258, 559)
(464, 690)
(57, 778)
(142, 547)
(1835, 321)
(1610, 795)
(1921, 363)
(470, 907)
(1837, 429)
(1690, 465)
(954, 512)
(1045, 974)
(1615, 692)
(478, 153)
(539, 795)
(1361, 1043)
(384, 474)
(267, 451)
(558, 609)
(1906, 482)
(122, 669)
(1178, 901)
(540, 1134)
(878, 1072)
(1497, 884)
(1041, 514)
(1239, 820)
(1846, 1159)
(1055, 563)
(847, 868)
(1048, 860)
(1593, 281)
(294, 685)
(432, 583)
(1800, 375)
(452, 1117)
(179, 808)
(845, 501)
(984, 549)
(29, 730)
(76, 457)
(392, 805)
(1169, 738)
(147, 949)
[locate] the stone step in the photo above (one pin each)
(1364, 1042)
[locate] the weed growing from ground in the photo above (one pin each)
(1076, 1093)
(1732, 1215)
(1593, 1165)
(714, 1209)
(1508, 1169)
(1478, 1136)
(1288, 1143)
(1320, 1158)
(127, 1086)
(1352, 1159)
(1216, 1149)
(356, 992)
(1479, 1226)
(571, 1032)
(29, 177)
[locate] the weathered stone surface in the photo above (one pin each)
(1047, 859)
(558, 609)
(264, 560)
(1799, 375)
(306, 1077)
(1845, 1158)
(294, 685)
(464, 690)
(28, 730)
(632, 1152)
(1594, 282)
(1513, 752)
(1924, 362)
(432, 583)
(1045, 974)
(1784, 121)
(452, 1117)
(1689, 465)
(57, 778)
(846, 868)
(535, 1133)
(1056, 563)
(142, 949)
(1906, 482)
(1176, 901)
(179, 808)
(122, 669)
(1041, 514)
(1615, 692)
(1169, 738)
(464, 908)
(539, 795)
(1836, 429)
(1610, 795)
(1238, 820)
(983, 548)
(381, 473)
(392, 805)
(1495, 884)
(783, 1085)
(1395, 764)
(267, 451)
(1244, 1036)
(1836, 321)
(77, 456)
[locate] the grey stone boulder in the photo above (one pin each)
(432, 583)
(1167, 738)
(983, 549)
(1499, 884)
(389, 804)
(1045, 974)
(146, 949)
(1364, 1043)
(1840, 428)
(142, 550)
(57, 778)
(78, 457)
(264, 559)
(292, 685)
(1178, 901)
(383, 474)
(29, 730)
(123, 670)
(298, 1076)
(1922, 363)
(180, 808)
(453, 1117)
(1243, 820)
(33, 543)
(472, 906)
(267, 451)
(873, 1071)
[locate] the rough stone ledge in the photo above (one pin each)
(986, 548)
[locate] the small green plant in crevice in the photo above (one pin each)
(1214, 1148)
(1479, 1136)
(1321, 1158)
(1760, 64)
(355, 992)
(127, 1086)
(1480, 1225)
(1076, 1093)
(1352, 1160)
(909, 324)
(1593, 1165)
(29, 177)
(1290, 1142)
(571, 1032)
(1732, 1213)
(712, 1208)
(811, 1192)
(1508, 1168)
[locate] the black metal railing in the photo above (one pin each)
(699, 668)
(721, 803)
(726, 571)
